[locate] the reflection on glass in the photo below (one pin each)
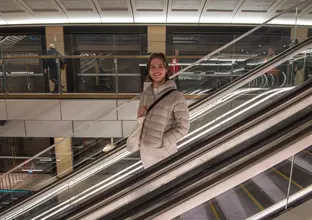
(95, 75)
(249, 97)
(24, 76)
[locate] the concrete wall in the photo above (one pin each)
(60, 118)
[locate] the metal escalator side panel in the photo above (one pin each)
(237, 179)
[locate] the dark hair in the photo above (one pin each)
(162, 57)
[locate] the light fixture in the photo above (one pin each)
(31, 170)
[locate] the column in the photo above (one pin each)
(156, 39)
(55, 35)
(300, 33)
(64, 156)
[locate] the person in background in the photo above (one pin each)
(175, 67)
(53, 67)
(271, 52)
(275, 72)
(168, 121)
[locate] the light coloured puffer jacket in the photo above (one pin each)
(164, 125)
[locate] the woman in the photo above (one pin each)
(168, 121)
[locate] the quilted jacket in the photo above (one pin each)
(164, 125)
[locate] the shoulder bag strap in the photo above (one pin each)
(158, 100)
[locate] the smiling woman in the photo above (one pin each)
(166, 122)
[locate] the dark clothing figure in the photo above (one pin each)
(51, 66)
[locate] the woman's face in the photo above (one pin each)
(157, 70)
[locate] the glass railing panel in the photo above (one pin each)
(251, 96)
(131, 74)
(94, 75)
(270, 188)
(24, 76)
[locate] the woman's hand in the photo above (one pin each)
(142, 111)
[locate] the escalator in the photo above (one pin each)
(244, 182)
(282, 177)
(245, 111)
(252, 198)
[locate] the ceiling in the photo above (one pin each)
(15, 12)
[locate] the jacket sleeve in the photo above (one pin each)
(63, 59)
(182, 123)
(142, 102)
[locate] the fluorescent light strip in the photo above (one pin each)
(61, 209)
(255, 64)
(228, 119)
(207, 90)
(212, 105)
(225, 98)
(227, 113)
(108, 184)
(194, 92)
(67, 186)
(89, 194)
(30, 170)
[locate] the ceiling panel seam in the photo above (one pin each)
(22, 4)
(167, 10)
(132, 9)
(62, 8)
(306, 10)
(202, 10)
(97, 8)
(237, 8)
(273, 8)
